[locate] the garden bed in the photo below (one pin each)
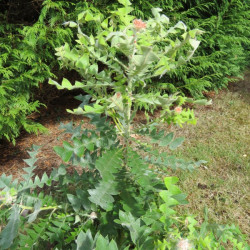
(220, 137)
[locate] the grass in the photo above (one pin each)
(221, 138)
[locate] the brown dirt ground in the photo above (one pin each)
(12, 156)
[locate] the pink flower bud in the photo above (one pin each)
(184, 244)
(139, 24)
(178, 109)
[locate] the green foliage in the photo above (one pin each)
(62, 211)
(110, 201)
(119, 56)
(116, 200)
(205, 236)
(14, 109)
(27, 49)
(27, 60)
(224, 49)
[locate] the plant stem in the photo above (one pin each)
(127, 124)
(128, 105)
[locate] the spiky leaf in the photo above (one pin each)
(10, 231)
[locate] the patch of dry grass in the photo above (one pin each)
(221, 137)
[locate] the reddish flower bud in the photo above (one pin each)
(139, 24)
(178, 109)
(184, 244)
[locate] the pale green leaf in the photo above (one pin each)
(63, 153)
(66, 84)
(167, 139)
(176, 143)
(9, 233)
(124, 2)
(103, 193)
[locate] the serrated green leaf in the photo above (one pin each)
(74, 201)
(9, 233)
(78, 111)
(138, 232)
(109, 164)
(167, 139)
(176, 143)
(194, 43)
(90, 146)
(83, 196)
(68, 146)
(85, 241)
(89, 16)
(37, 208)
(78, 85)
(30, 162)
(170, 180)
(93, 69)
(52, 82)
(104, 244)
(95, 109)
(124, 2)
(103, 193)
(70, 24)
(81, 15)
(63, 153)
(5, 182)
(83, 62)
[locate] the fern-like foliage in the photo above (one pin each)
(27, 59)
(224, 47)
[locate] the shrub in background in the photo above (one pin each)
(27, 44)
(225, 45)
(25, 61)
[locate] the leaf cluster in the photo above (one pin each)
(107, 205)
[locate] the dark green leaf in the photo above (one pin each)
(85, 241)
(63, 153)
(75, 202)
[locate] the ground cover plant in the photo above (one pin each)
(118, 200)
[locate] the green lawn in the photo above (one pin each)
(222, 138)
